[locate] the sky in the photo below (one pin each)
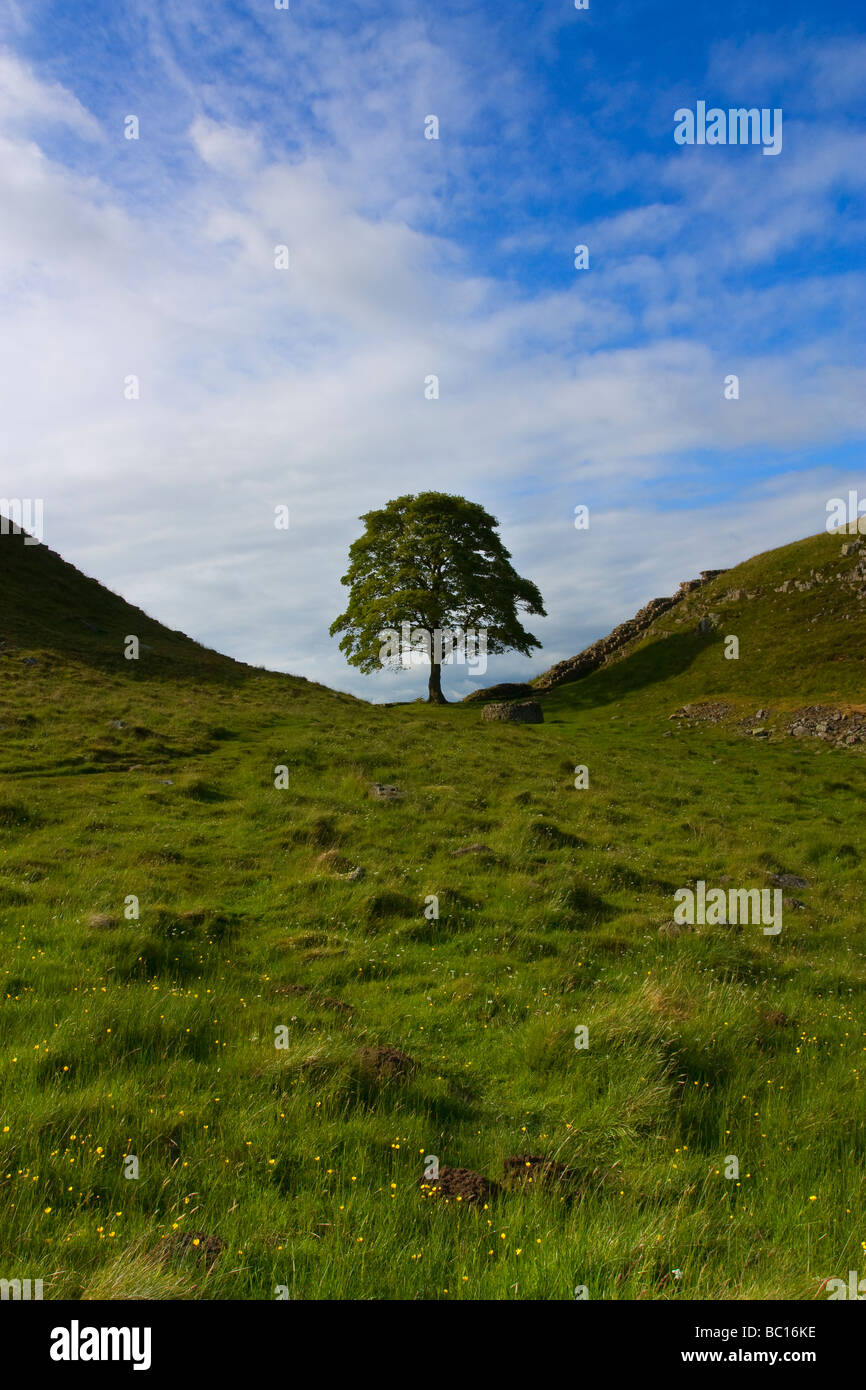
(408, 257)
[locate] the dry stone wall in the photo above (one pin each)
(600, 652)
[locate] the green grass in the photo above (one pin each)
(155, 1036)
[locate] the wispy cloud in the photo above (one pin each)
(261, 386)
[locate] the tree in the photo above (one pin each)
(434, 564)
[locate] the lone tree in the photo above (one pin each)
(432, 563)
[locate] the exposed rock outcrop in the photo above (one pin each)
(518, 712)
(600, 652)
(842, 727)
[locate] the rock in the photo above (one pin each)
(850, 548)
(608, 648)
(674, 928)
(519, 712)
(709, 712)
(116, 724)
(760, 733)
(844, 728)
(708, 623)
(354, 874)
(384, 792)
(788, 881)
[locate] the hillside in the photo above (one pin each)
(62, 644)
(284, 1000)
(52, 613)
(50, 607)
(799, 613)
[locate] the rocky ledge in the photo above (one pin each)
(600, 652)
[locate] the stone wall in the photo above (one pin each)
(600, 652)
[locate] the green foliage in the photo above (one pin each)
(433, 561)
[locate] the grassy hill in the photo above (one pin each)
(308, 908)
(799, 614)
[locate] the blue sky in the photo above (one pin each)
(409, 257)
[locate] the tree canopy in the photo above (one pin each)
(434, 562)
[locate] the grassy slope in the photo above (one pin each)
(795, 648)
(155, 1036)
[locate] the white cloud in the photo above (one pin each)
(226, 148)
(306, 387)
(24, 99)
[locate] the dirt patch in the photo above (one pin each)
(385, 1063)
(101, 921)
(775, 1018)
(460, 1185)
(333, 862)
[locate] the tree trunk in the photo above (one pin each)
(434, 688)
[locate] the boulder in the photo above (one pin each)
(518, 712)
